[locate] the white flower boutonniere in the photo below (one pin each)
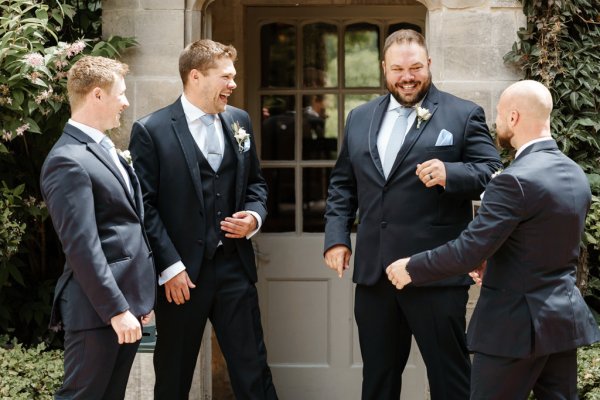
(126, 156)
(495, 174)
(241, 136)
(423, 114)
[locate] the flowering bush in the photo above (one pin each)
(34, 60)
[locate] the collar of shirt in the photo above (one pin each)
(94, 133)
(196, 127)
(526, 145)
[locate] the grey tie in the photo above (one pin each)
(396, 139)
(214, 155)
(109, 146)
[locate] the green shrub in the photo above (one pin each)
(588, 372)
(33, 373)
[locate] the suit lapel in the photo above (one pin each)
(103, 156)
(431, 103)
(188, 147)
(227, 123)
(136, 194)
(374, 125)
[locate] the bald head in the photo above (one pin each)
(524, 112)
(532, 99)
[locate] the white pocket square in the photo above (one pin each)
(445, 138)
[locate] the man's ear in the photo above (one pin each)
(514, 118)
(97, 93)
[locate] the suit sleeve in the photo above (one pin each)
(146, 163)
(479, 159)
(501, 211)
(68, 193)
(342, 201)
(256, 191)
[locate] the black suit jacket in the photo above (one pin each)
(400, 216)
(165, 156)
(109, 267)
(529, 226)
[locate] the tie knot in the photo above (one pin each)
(107, 143)
(208, 119)
(403, 111)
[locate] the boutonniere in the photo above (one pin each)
(241, 136)
(126, 156)
(495, 174)
(423, 114)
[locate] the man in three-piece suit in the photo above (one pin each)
(95, 202)
(530, 317)
(204, 197)
(410, 163)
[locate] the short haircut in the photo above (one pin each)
(404, 36)
(202, 55)
(90, 72)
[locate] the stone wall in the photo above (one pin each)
(467, 40)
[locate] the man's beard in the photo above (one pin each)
(406, 101)
(504, 140)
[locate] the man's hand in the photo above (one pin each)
(432, 172)
(239, 225)
(338, 258)
(147, 318)
(127, 327)
(477, 273)
(397, 274)
(178, 288)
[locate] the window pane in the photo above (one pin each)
(314, 195)
(278, 55)
(319, 127)
(363, 66)
(352, 101)
(281, 200)
(278, 127)
(320, 55)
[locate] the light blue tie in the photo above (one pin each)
(213, 155)
(396, 139)
(109, 146)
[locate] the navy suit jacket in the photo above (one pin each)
(529, 228)
(399, 216)
(109, 267)
(165, 158)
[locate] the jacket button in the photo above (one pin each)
(219, 213)
(383, 225)
(216, 176)
(218, 194)
(200, 242)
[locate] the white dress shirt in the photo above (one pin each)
(526, 145)
(198, 130)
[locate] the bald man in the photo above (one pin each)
(530, 317)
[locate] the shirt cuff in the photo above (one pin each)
(258, 223)
(170, 272)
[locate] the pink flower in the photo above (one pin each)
(75, 48)
(34, 59)
(6, 136)
(22, 129)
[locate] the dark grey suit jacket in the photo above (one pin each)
(164, 153)
(400, 216)
(109, 267)
(529, 226)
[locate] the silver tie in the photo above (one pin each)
(214, 155)
(396, 139)
(109, 146)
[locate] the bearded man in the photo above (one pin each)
(411, 162)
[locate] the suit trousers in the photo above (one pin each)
(551, 377)
(225, 295)
(387, 319)
(96, 366)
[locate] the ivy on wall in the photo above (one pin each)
(560, 47)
